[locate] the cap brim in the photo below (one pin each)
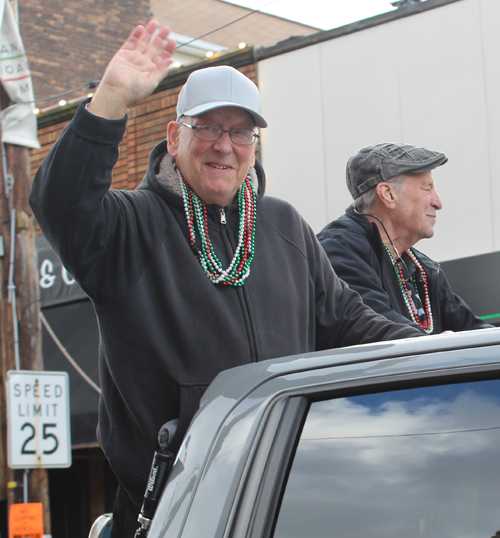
(439, 160)
(200, 109)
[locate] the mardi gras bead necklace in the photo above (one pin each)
(429, 325)
(196, 215)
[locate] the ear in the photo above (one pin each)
(173, 138)
(387, 195)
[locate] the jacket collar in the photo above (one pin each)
(373, 234)
(370, 229)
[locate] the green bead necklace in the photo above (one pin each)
(429, 325)
(196, 215)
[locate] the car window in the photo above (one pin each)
(416, 463)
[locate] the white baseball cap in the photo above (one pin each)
(217, 87)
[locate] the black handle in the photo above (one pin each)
(160, 469)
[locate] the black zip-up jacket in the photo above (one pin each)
(166, 331)
(357, 254)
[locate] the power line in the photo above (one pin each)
(91, 84)
(67, 355)
(225, 25)
(94, 83)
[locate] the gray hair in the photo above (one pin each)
(365, 202)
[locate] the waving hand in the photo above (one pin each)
(134, 71)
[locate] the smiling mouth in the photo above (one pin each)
(220, 167)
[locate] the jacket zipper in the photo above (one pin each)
(253, 348)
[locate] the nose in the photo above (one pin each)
(436, 201)
(224, 144)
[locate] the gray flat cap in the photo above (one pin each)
(374, 164)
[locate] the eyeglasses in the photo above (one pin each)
(204, 131)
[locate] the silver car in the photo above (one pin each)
(395, 439)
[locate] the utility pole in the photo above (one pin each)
(17, 225)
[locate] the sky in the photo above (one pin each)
(323, 14)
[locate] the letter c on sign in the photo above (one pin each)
(68, 279)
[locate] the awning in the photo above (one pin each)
(55, 283)
(76, 327)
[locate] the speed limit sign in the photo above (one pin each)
(38, 419)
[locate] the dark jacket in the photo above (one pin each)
(357, 254)
(166, 331)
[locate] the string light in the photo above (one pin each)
(91, 84)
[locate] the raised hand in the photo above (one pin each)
(134, 71)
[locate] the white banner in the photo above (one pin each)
(19, 124)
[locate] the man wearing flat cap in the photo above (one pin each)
(195, 271)
(371, 246)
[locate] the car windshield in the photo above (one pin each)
(416, 463)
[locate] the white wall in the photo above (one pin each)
(432, 80)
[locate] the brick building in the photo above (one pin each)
(70, 43)
(257, 29)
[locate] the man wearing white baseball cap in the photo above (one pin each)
(195, 271)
